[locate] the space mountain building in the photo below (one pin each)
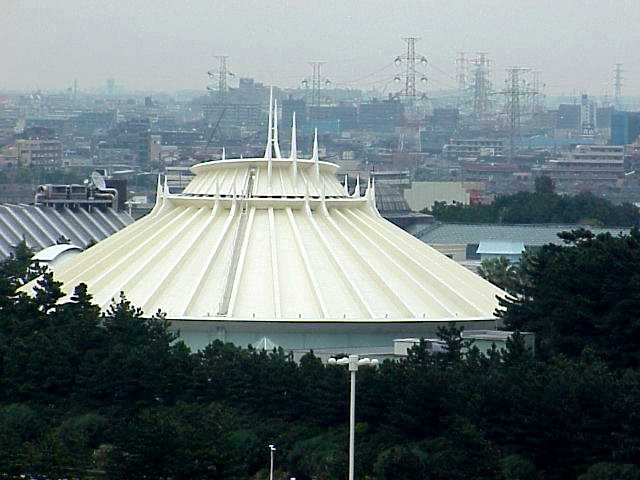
(277, 248)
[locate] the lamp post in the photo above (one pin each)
(354, 362)
(272, 451)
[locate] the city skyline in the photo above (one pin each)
(164, 45)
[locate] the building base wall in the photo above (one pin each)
(300, 335)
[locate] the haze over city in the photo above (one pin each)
(168, 45)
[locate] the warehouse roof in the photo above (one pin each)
(529, 234)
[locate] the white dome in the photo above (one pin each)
(276, 238)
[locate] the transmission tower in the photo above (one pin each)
(515, 89)
(536, 93)
(462, 68)
(617, 84)
(317, 81)
(411, 61)
(221, 79)
(481, 85)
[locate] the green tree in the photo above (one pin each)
(611, 471)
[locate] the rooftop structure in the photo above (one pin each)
(276, 247)
(43, 226)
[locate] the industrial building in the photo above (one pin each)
(274, 249)
(39, 152)
(460, 241)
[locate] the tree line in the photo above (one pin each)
(85, 394)
(542, 205)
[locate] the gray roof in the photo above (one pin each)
(530, 235)
(42, 226)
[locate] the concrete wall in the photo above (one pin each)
(423, 195)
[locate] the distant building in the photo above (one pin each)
(445, 119)
(587, 162)
(492, 249)
(472, 148)
(422, 195)
(625, 127)
(569, 117)
(380, 116)
(39, 152)
(460, 241)
(155, 147)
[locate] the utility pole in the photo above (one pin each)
(221, 77)
(481, 85)
(411, 71)
(617, 84)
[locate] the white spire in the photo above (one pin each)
(166, 187)
(346, 185)
(371, 197)
(294, 146)
(323, 198)
(276, 143)
(159, 187)
(224, 154)
(293, 155)
(356, 192)
(314, 155)
(269, 150)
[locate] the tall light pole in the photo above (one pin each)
(272, 451)
(354, 362)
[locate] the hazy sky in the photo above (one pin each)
(169, 44)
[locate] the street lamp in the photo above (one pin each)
(354, 362)
(272, 451)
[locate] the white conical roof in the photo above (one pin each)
(276, 238)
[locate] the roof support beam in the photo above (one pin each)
(274, 264)
(237, 271)
(406, 311)
(208, 262)
(120, 255)
(138, 274)
(152, 298)
(392, 261)
(307, 264)
(355, 291)
(434, 263)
